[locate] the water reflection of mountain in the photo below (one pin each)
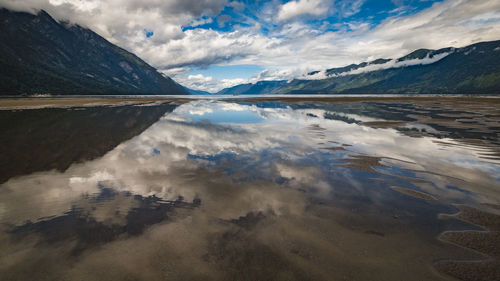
(94, 220)
(46, 139)
(279, 191)
(469, 121)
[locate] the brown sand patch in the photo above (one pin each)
(414, 193)
(362, 163)
(415, 180)
(478, 217)
(470, 271)
(384, 124)
(334, 148)
(33, 103)
(493, 206)
(484, 242)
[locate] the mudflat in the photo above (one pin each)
(272, 188)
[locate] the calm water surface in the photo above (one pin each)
(252, 190)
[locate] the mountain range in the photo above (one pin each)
(41, 55)
(474, 69)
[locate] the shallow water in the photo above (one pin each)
(252, 190)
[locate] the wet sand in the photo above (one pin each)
(177, 189)
(413, 193)
(486, 242)
(22, 102)
(34, 103)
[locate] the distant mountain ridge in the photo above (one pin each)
(41, 55)
(260, 87)
(474, 69)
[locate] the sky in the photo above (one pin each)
(213, 44)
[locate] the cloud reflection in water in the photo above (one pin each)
(297, 181)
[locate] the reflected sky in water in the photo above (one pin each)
(218, 190)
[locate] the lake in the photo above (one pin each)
(274, 188)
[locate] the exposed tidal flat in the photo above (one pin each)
(250, 188)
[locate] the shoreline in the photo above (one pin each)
(13, 103)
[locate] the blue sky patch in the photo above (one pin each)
(340, 14)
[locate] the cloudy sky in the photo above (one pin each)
(213, 44)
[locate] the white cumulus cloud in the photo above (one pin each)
(298, 8)
(289, 48)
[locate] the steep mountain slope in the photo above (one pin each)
(41, 55)
(474, 69)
